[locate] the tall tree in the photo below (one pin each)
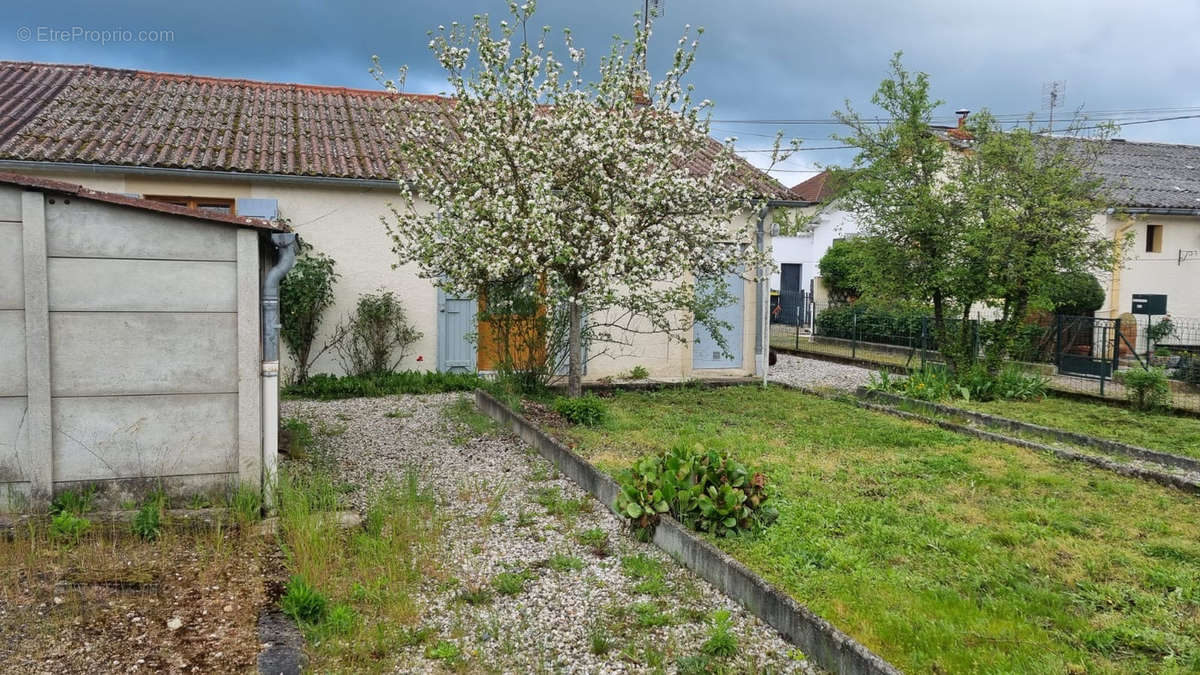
(609, 193)
(898, 189)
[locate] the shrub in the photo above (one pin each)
(1146, 389)
(302, 602)
(68, 528)
(842, 264)
(721, 642)
(304, 295)
(704, 489)
(587, 410)
(326, 387)
(886, 323)
(1076, 293)
(376, 337)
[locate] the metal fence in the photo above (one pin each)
(1078, 353)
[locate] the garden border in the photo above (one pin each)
(995, 421)
(820, 640)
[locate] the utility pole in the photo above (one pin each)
(1051, 92)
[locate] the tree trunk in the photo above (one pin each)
(575, 345)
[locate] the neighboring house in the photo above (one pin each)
(131, 345)
(1155, 193)
(798, 257)
(314, 155)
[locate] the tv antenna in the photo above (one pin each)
(648, 6)
(1052, 94)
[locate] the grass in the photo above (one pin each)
(1166, 433)
(367, 580)
(940, 552)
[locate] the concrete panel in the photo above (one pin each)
(114, 284)
(93, 230)
(14, 441)
(10, 203)
(102, 354)
(12, 283)
(12, 353)
(102, 437)
(249, 355)
(37, 342)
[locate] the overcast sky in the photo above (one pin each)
(759, 59)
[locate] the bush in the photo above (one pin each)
(304, 295)
(1146, 389)
(842, 264)
(587, 410)
(1076, 294)
(704, 489)
(376, 337)
(325, 387)
(302, 602)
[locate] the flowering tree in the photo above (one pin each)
(610, 194)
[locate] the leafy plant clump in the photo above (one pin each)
(1147, 389)
(639, 373)
(303, 603)
(510, 583)
(704, 489)
(68, 528)
(147, 522)
(971, 384)
(721, 641)
(588, 411)
(72, 501)
(596, 540)
(304, 295)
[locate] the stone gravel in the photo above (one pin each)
(487, 482)
(817, 374)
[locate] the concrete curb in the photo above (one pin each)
(997, 422)
(284, 654)
(1131, 470)
(822, 642)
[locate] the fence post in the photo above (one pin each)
(924, 339)
(974, 340)
(1103, 341)
(854, 333)
(798, 320)
(1058, 342)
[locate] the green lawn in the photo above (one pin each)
(1167, 433)
(942, 553)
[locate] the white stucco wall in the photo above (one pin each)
(1175, 271)
(344, 222)
(829, 223)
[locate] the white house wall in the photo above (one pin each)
(807, 250)
(1162, 272)
(344, 222)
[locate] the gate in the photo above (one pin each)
(1091, 347)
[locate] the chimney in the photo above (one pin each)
(962, 117)
(640, 98)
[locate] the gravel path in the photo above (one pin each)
(817, 374)
(495, 490)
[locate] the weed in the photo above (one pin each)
(443, 650)
(302, 602)
(596, 540)
(199, 501)
(147, 522)
(498, 518)
(247, 504)
(525, 519)
(600, 642)
(695, 664)
(721, 642)
(540, 473)
(475, 595)
(326, 387)
(68, 528)
(326, 429)
(295, 436)
(341, 620)
(638, 373)
(399, 414)
(510, 583)
(649, 615)
(648, 572)
(560, 562)
(73, 502)
(587, 410)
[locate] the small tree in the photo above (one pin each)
(610, 192)
(376, 338)
(304, 295)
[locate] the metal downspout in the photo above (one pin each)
(285, 245)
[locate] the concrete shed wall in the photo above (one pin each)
(125, 335)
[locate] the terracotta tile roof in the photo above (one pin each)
(73, 190)
(96, 115)
(815, 189)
